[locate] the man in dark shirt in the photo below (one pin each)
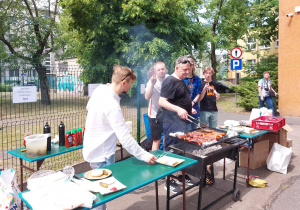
(176, 102)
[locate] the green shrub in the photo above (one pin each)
(5, 88)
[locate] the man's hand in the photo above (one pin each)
(218, 96)
(206, 87)
(152, 159)
(182, 113)
(262, 98)
(153, 79)
(194, 111)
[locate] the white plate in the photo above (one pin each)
(169, 161)
(113, 186)
(238, 129)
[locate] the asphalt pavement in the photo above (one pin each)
(282, 191)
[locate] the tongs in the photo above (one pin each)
(197, 121)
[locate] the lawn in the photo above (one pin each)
(227, 103)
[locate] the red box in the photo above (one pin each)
(268, 123)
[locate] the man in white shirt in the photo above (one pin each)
(105, 123)
(153, 93)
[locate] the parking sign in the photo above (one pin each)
(235, 64)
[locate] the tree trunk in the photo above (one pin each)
(213, 60)
(45, 90)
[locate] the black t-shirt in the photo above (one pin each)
(208, 103)
(177, 93)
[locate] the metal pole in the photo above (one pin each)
(138, 132)
(235, 90)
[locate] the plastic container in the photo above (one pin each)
(268, 123)
(68, 139)
(36, 145)
(75, 137)
(79, 133)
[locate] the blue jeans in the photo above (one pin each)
(192, 126)
(107, 161)
(209, 118)
(269, 101)
(180, 126)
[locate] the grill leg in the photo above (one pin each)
(200, 191)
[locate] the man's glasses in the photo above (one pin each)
(184, 62)
(131, 72)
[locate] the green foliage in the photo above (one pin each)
(134, 33)
(262, 16)
(248, 89)
(5, 88)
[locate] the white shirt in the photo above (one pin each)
(153, 102)
(262, 83)
(104, 124)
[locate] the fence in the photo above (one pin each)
(68, 99)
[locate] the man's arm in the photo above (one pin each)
(182, 113)
(260, 93)
(149, 89)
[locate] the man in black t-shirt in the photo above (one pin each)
(176, 102)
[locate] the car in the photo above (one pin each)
(31, 83)
(224, 86)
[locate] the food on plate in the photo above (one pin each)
(114, 189)
(201, 137)
(251, 130)
(102, 184)
(97, 173)
(105, 172)
(176, 163)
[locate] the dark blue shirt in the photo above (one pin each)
(194, 86)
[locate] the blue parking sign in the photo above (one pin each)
(235, 64)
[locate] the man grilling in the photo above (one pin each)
(105, 123)
(176, 101)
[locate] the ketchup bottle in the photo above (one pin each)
(75, 137)
(79, 132)
(69, 139)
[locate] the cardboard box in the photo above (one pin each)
(282, 136)
(258, 155)
(289, 143)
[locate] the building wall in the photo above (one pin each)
(251, 55)
(289, 59)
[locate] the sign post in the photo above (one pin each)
(236, 64)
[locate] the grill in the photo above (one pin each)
(207, 154)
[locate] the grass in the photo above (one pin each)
(227, 102)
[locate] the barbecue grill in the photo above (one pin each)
(207, 154)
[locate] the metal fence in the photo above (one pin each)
(68, 99)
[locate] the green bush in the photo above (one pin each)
(5, 88)
(248, 89)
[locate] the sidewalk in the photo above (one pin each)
(282, 191)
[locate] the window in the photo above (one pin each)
(251, 43)
(250, 64)
(276, 41)
(266, 45)
(14, 73)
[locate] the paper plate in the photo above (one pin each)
(88, 174)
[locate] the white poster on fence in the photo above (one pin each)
(91, 88)
(24, 94)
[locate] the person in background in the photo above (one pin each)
(193, 82)
(105, 123)
(209, 111)
(264, 88)
(152, 93)
(176, 102)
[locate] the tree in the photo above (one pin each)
(135, 33)
(28, 30)
(227, 21)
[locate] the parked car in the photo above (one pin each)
(224, 86)
(31, 83)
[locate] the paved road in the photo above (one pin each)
(282, 191)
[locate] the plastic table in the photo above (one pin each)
(55, 150)
(135, 174)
